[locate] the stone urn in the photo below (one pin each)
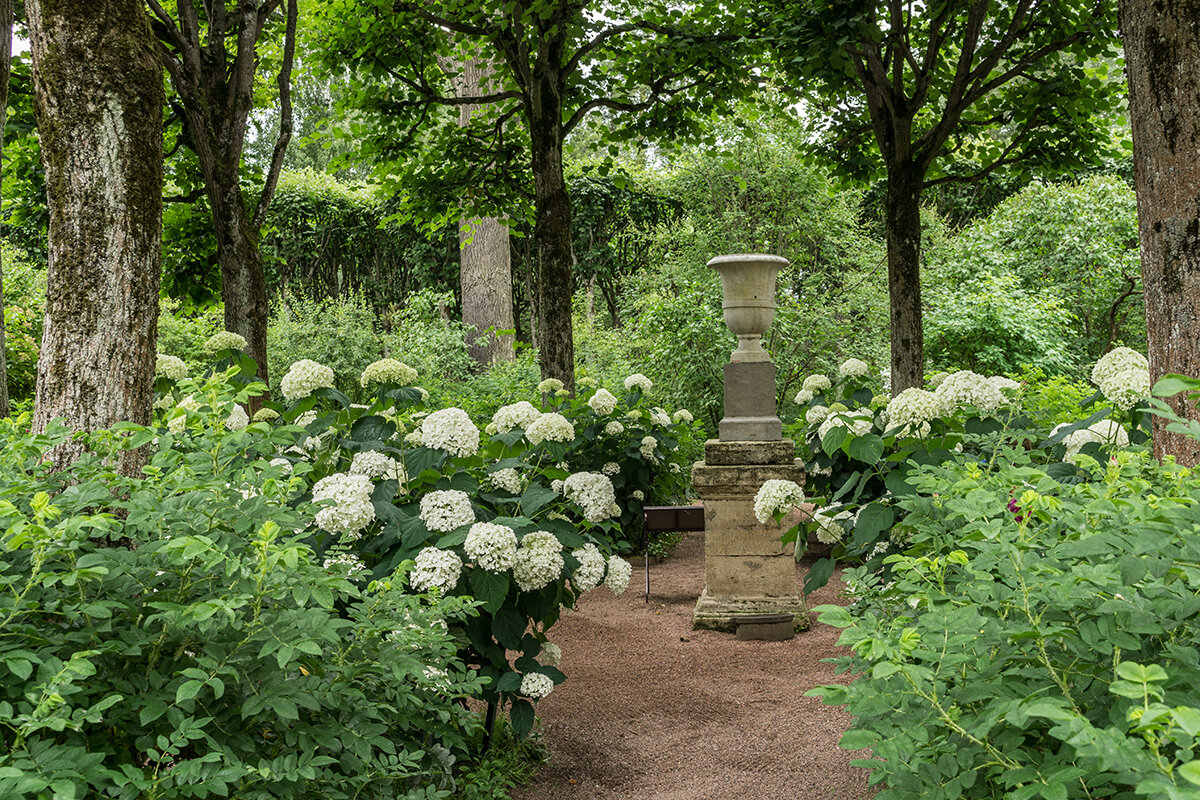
(748, 284)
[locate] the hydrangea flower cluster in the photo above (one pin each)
(1006, 385)
(816, 415)
(376, 465)
(551, 654)
(552, 427)
(617, 577)
(450, 429)
(225, 340)
(593, 493)
(853, 368)
(283, 464)
(1123, 376)
(590, 572)
(507, 479)
(347, 562)
(492, 547)
(516, 415)
(614, 428)
(435, 569)
(966, 388)
(304, 377)
(550, 386)
(830, 527)
(858, 422)
(266, 415)
(914, 409)
(648, 446)
(640, 381)
(177, 423)
(659, 417)
(1105, 431)
(352, 509)
(387, 370)
(816, 383)
(803, 396)
(776, 497)
(603, 402)
(172, 367)
(683, 415)
(539, 561)
(611, 468)
(443, 511)
(535, 685)
(238, 419)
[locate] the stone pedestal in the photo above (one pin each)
(747, 569)
(750, 414)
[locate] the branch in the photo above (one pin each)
(1112, 313)
(444, 22)
(167, 24)
(285, 118)
(1005, 159)
(190, 197)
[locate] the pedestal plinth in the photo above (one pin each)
(747, 569)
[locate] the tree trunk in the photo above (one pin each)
(552, 234)
(903, 209)
(485, 266)
(1162, 54)
(6, 30)
(243, 284)
(99, 101)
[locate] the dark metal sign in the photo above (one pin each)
(661, 519)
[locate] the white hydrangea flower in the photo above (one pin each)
(266, 415)
(614, 428)
(539, 561)
(424, 394)
(551, 654)
(1123, 376)
(966, 388)
(450, 429)
(1105, 431)
(237, 419)
(1006, 385)
(633, 414)
(387, 370)
(640, 381)
(304, 377)
(413, 437)
(831, 527)
(659, 417)
(816, 383)
(492, 547)
(225, 340)
(177, 417)
(915, 409)
(535, 685)
(936, 379)
(443, 511)
(603, 402)
(507, 479)
(283, 464)
(816, 415)
(617, 577)
(517, 415)
(347, 563)
(172, 367)
(376, 465)
(549, 386)
(552, 427)
(556, 486)
(675, 468)
(853, 368)
(858, 422)
(593, 492)
(611, 468)
(683, 415)
(306, 419)
(803, 397)
(435, 569)
(649, 445)
(590, 572)
(352, 509)
(586, 383)
(638, 494)
(776, 497)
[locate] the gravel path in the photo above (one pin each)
(653, 709)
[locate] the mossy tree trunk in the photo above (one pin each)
(6, 31)
(1162, 55)
(99, 103)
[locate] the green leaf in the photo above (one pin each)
(509, 682)
(1172, 384)
(489, 587)
(833, 439)
(521, 716)
(866, 449)
(1191, 772)
(872, 521)
(535, 498)
(858, 739)
(818, 575)
(836, 616)
(372, 429)
(187, 690)
(508, 626)
(153, 709)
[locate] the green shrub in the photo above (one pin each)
(340, 333)
(24, 309)
(182, 333)
(423, 335)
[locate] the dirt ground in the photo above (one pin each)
(653, 709)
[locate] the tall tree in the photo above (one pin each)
(211, 54)
(652, 66)
(99, 101)
(1162, 53)
(905, 85)
(6, 34)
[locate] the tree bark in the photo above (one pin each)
(903, 209)
(6, 31)
(99, 101)
(485, 266)
(1162, 55)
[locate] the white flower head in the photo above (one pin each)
(444, 511)
(376, 465)
(831, 528)
(535, 685)
(853, 368)
(659, 417)
(586, 382)
(517, 415)
(304, 377)
(549, 386)
(237, 419)
(859, 422)
(177, 417)
(283, 464)
(1123, 376)
(346, 563)
(450, 429)
(590, 572)
(266, 415)
(225, 340)
(539, 561)
(966, 388)
(551, 654)
(387, 370)
(640, 381)
(611, 468)
(166, 366)
(649, 445)
(351, 510)
(638, 494)
(492, 547)
(816, 415)
(507, 479)
(816, 383)
(683, 415)
(776, 497)
(1105, 432)
(593, 492)
(1007, 386)
(803, 397)
(914, 408)
(603, 402)
(552, 427)
(614, 428)
(435, 569)
(617, 576)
